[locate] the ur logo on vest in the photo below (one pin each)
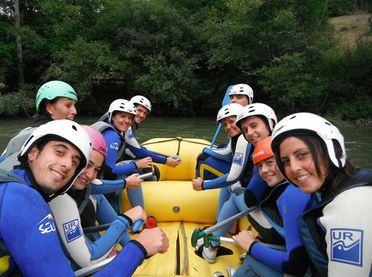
(71, 230)
(46, 225)
(238, 158)
(346, 246)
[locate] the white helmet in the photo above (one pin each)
(65, 130)
(231, 109)
(258, 109)
(121, 105)
(300, 123)
(141, 100)
(242, 89)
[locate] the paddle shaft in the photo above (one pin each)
(214, 228)
(93, 268)
(103, 227)
(232, 241)
(146, 175)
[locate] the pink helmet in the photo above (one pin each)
(98, 142)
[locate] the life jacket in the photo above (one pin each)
(269, 234)
(5, 258)
(248, 170)
(9, 158)
(312, 235)
(86, 208)
(101, 126)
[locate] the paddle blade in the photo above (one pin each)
(225, 101)
(226, 98)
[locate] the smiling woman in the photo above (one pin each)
(310, 152)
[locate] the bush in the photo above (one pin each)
(361, 108)
(18, 103)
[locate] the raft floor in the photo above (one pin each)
(181, 260)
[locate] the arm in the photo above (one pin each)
(148, 243)
(347, 223)
(114, 143)
(294, 259)
(224, 153)
(108, 186)
(239, 163)
(80, 249)
(126, 262)
(25, 216)
(141, 152)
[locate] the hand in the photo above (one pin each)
(132, 181)
(136, 213)
(197, 184)
(153, 240)
(144, 163)
(173, 161)
(244, 239)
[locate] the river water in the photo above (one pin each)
(358, 140)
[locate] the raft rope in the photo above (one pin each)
(172, 139)
(179, 139)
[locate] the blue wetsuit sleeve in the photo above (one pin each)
(114, 143)
(106, 214)
(108, 186)
(293, 260)
(126, 262)
(239, 164)
(139, 151)
(224, 153)
(112, 236)
(218, 182)
(25, 215)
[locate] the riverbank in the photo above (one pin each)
(352, 29)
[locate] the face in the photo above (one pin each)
(299, 165)
(269, 171)
(62, 108)
(229, 126)
(54, 165)
(254, 129)
(239, 99)
(122, 121)
(141, 114)
(91, 171)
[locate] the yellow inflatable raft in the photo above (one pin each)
(179, 210)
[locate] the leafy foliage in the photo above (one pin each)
(184, 54)
(340, 7)
(15, 103)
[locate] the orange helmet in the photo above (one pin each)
(262, 151)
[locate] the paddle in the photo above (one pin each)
(197, 234)
(210, 238)
(225, 101)
(93, 268)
